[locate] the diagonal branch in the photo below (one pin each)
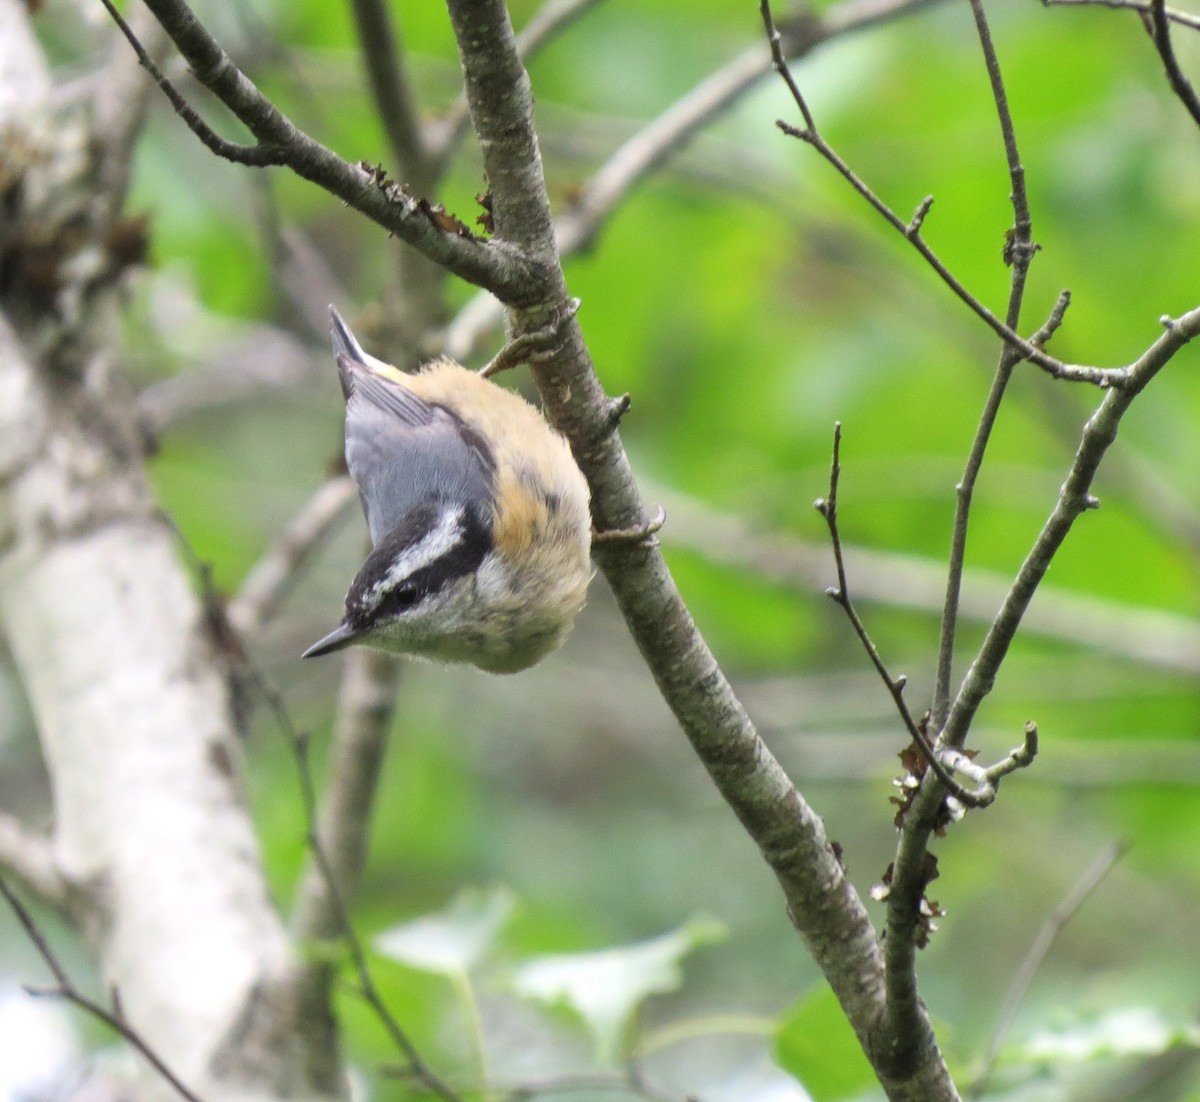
(64, 988)
(823, 904)
(1159, 26)
(1074, 499)
(911, 231)
(503, 271)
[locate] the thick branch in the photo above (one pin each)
(824, 906)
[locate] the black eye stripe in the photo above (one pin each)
(364, 603)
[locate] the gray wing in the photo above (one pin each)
(401, 450)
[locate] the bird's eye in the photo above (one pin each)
(404, 596)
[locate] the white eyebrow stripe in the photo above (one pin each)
(429, 548)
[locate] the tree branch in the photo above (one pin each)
(1159, 26)
(823, 904)
(1019, 253)
(911, 230)
(503, 271)
(1073, 500)
(653, 144)
(65, 989)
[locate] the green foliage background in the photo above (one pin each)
(748, 300)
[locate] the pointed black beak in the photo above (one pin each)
(341, 636)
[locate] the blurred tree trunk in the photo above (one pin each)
(153, 855)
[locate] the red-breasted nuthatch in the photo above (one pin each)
(477, 512)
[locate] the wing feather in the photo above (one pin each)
(402, 451)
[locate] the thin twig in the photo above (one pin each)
(272, 577)
(1183, 18)
(1074, 499)
(260, 155)
(1159, 26)
(66, 990)
(1051, 928)
(122, 98)
(1019, 252)
(840, 594)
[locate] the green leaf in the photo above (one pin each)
(453, 941)
(816, 1044)
(606, 987)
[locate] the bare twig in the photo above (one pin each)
(1183, 18)
(272, 577)
(1019, 252)
(1051, 928)
(65, 989)
(261, 155)
(1074, 499)
(1159, 639)
(1102, 377)
(29, 857)
(1159, 26)
(122, 95)
(840, 594)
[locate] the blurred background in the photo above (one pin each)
(748, 300)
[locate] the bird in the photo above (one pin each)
(477, 512)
